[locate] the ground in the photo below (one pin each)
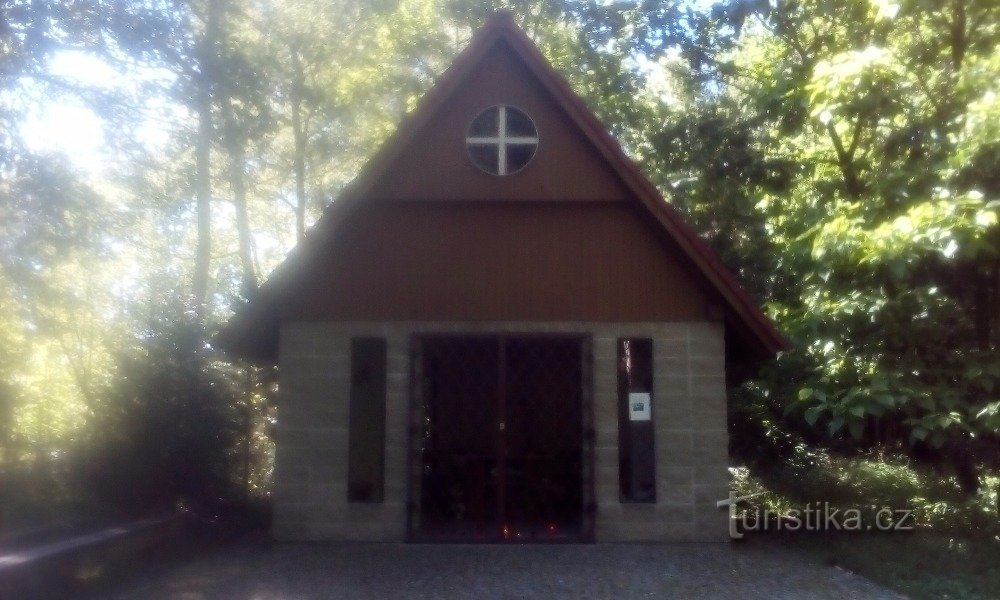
(924, 565)
(263, 570)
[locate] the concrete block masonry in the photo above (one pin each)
(689, 413)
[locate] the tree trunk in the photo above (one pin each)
(237, 180)
(982, 316)
(204, 81)
(247, 446)
(959, 42)
(203, 191)
(235, 140)
(845, 159)
(299, 134)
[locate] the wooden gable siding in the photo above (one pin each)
(516, 261)
(436, 166)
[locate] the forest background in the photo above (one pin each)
(159, 157)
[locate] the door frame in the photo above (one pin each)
(414, 472)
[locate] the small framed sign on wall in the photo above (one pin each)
(638, 406)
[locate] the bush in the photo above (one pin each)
(868, 483)
(167, 431)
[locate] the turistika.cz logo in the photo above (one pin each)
(815, 516)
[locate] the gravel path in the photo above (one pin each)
(298, 571)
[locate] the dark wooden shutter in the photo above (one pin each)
(366, 452)
(637, 466)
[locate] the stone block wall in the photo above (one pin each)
(689, 414)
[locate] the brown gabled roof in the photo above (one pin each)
(253, 331)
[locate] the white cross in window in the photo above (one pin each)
(502, 140)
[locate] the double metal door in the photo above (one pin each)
(498, 439)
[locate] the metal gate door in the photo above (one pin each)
(501, 439)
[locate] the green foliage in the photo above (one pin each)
(883, 242)
(869, 483)
(166, 431)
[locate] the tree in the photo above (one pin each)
(886, 241)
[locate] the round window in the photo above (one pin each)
(501, 140)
